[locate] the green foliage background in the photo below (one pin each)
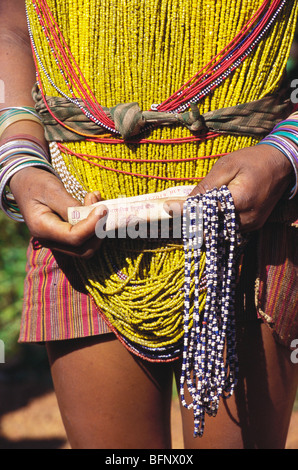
(14, 238)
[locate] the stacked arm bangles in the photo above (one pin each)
(284, 137)
(17, 153)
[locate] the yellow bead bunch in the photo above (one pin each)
(144, 50)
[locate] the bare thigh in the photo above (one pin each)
(108, 398)
(257, 415)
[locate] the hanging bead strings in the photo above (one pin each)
(209, 220)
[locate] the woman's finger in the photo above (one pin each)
(51, 228)
(92, 198)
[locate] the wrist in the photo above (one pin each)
(284, 137)
(284, 154)
(17, 155)
(26, 176)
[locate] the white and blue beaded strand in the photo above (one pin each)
(209, 220)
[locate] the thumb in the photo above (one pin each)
(92, 198)
(59, 232)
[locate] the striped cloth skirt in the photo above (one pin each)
(56, 305)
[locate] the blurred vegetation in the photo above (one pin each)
(14, 239)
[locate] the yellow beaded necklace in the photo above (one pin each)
(148, 49)
(137, 50)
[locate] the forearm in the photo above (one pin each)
(17, 73)
(17, 70)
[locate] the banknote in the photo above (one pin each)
(123, 211)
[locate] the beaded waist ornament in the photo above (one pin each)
(95, 55)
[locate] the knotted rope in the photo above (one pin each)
(65, 121)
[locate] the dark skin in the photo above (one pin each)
(107, 397)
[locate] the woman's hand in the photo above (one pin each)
(43, 202)
(257, 178)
